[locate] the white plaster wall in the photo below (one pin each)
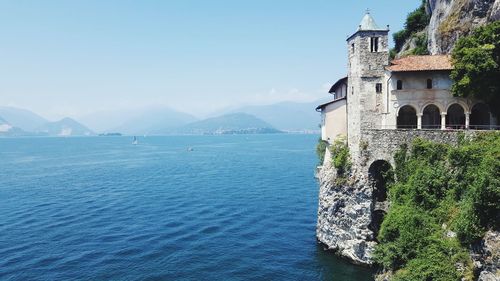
(416, 94)
(335, 124)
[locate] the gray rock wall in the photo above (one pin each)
(344, 215)
(452, 19)
(345, 207)
(486, 257)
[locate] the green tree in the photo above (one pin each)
(476, 61)
(440, 188)
(320, 150)
(415, 21)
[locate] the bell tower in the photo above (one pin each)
(368, 54)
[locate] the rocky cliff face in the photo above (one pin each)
(486, 256)
(451, 19)
(344, 215)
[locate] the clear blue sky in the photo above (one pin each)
(61, 58)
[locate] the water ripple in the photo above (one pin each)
(236, 208)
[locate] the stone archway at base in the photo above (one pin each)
(381, 175)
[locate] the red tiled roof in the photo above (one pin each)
(421, 63)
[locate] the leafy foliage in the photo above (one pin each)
(320, 150)
(476, 60)
(440, 188)
(340, 156)
(400, 38)
(420, 45)
(415, 21)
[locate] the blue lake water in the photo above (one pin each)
(100, 208)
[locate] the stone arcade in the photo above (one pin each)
(379, 106)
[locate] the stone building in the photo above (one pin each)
(379, 106)
(407, 93)
(334, 113)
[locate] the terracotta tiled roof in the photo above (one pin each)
(421, 63)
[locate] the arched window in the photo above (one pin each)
(431, 118)
(399, 84)
(407, 118)
(480, 117)
(455, 117)
(374, 44)
(429, 83)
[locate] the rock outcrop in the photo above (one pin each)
(453, 19)
(486, 256)
(344, 215)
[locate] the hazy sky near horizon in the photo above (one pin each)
(71, 58)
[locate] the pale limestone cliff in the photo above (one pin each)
(452, 19)
(344, 215)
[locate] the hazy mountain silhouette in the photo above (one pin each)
(287, 116)
(22, 118)
(236, 123)
(156, 121)
(64, 127)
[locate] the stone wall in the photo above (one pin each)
(346, 206)
(379, 144)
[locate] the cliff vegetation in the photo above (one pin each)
(412, 39)
(476, 61)
(444, 199)
(436, 25)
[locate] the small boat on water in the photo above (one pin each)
(190, 149)
(135, 141)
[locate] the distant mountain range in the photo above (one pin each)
(21, 122)
(22, 118)
(64, 127)
(275, 118)
(236, 123)
(155, 120)
(7, 129)
(286, 116)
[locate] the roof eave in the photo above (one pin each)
(334, 86)
(328, 103)
(368, 30)
(418, 70)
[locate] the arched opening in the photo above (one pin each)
(429, 83)
(455, 117)
(480, 117)
(399, 84)
(407, 118)
(431, 117)
(381, 175)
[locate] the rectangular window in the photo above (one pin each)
(429, 83)
(374, 44)
(352, 47)
(399, 85)
(378, 87)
